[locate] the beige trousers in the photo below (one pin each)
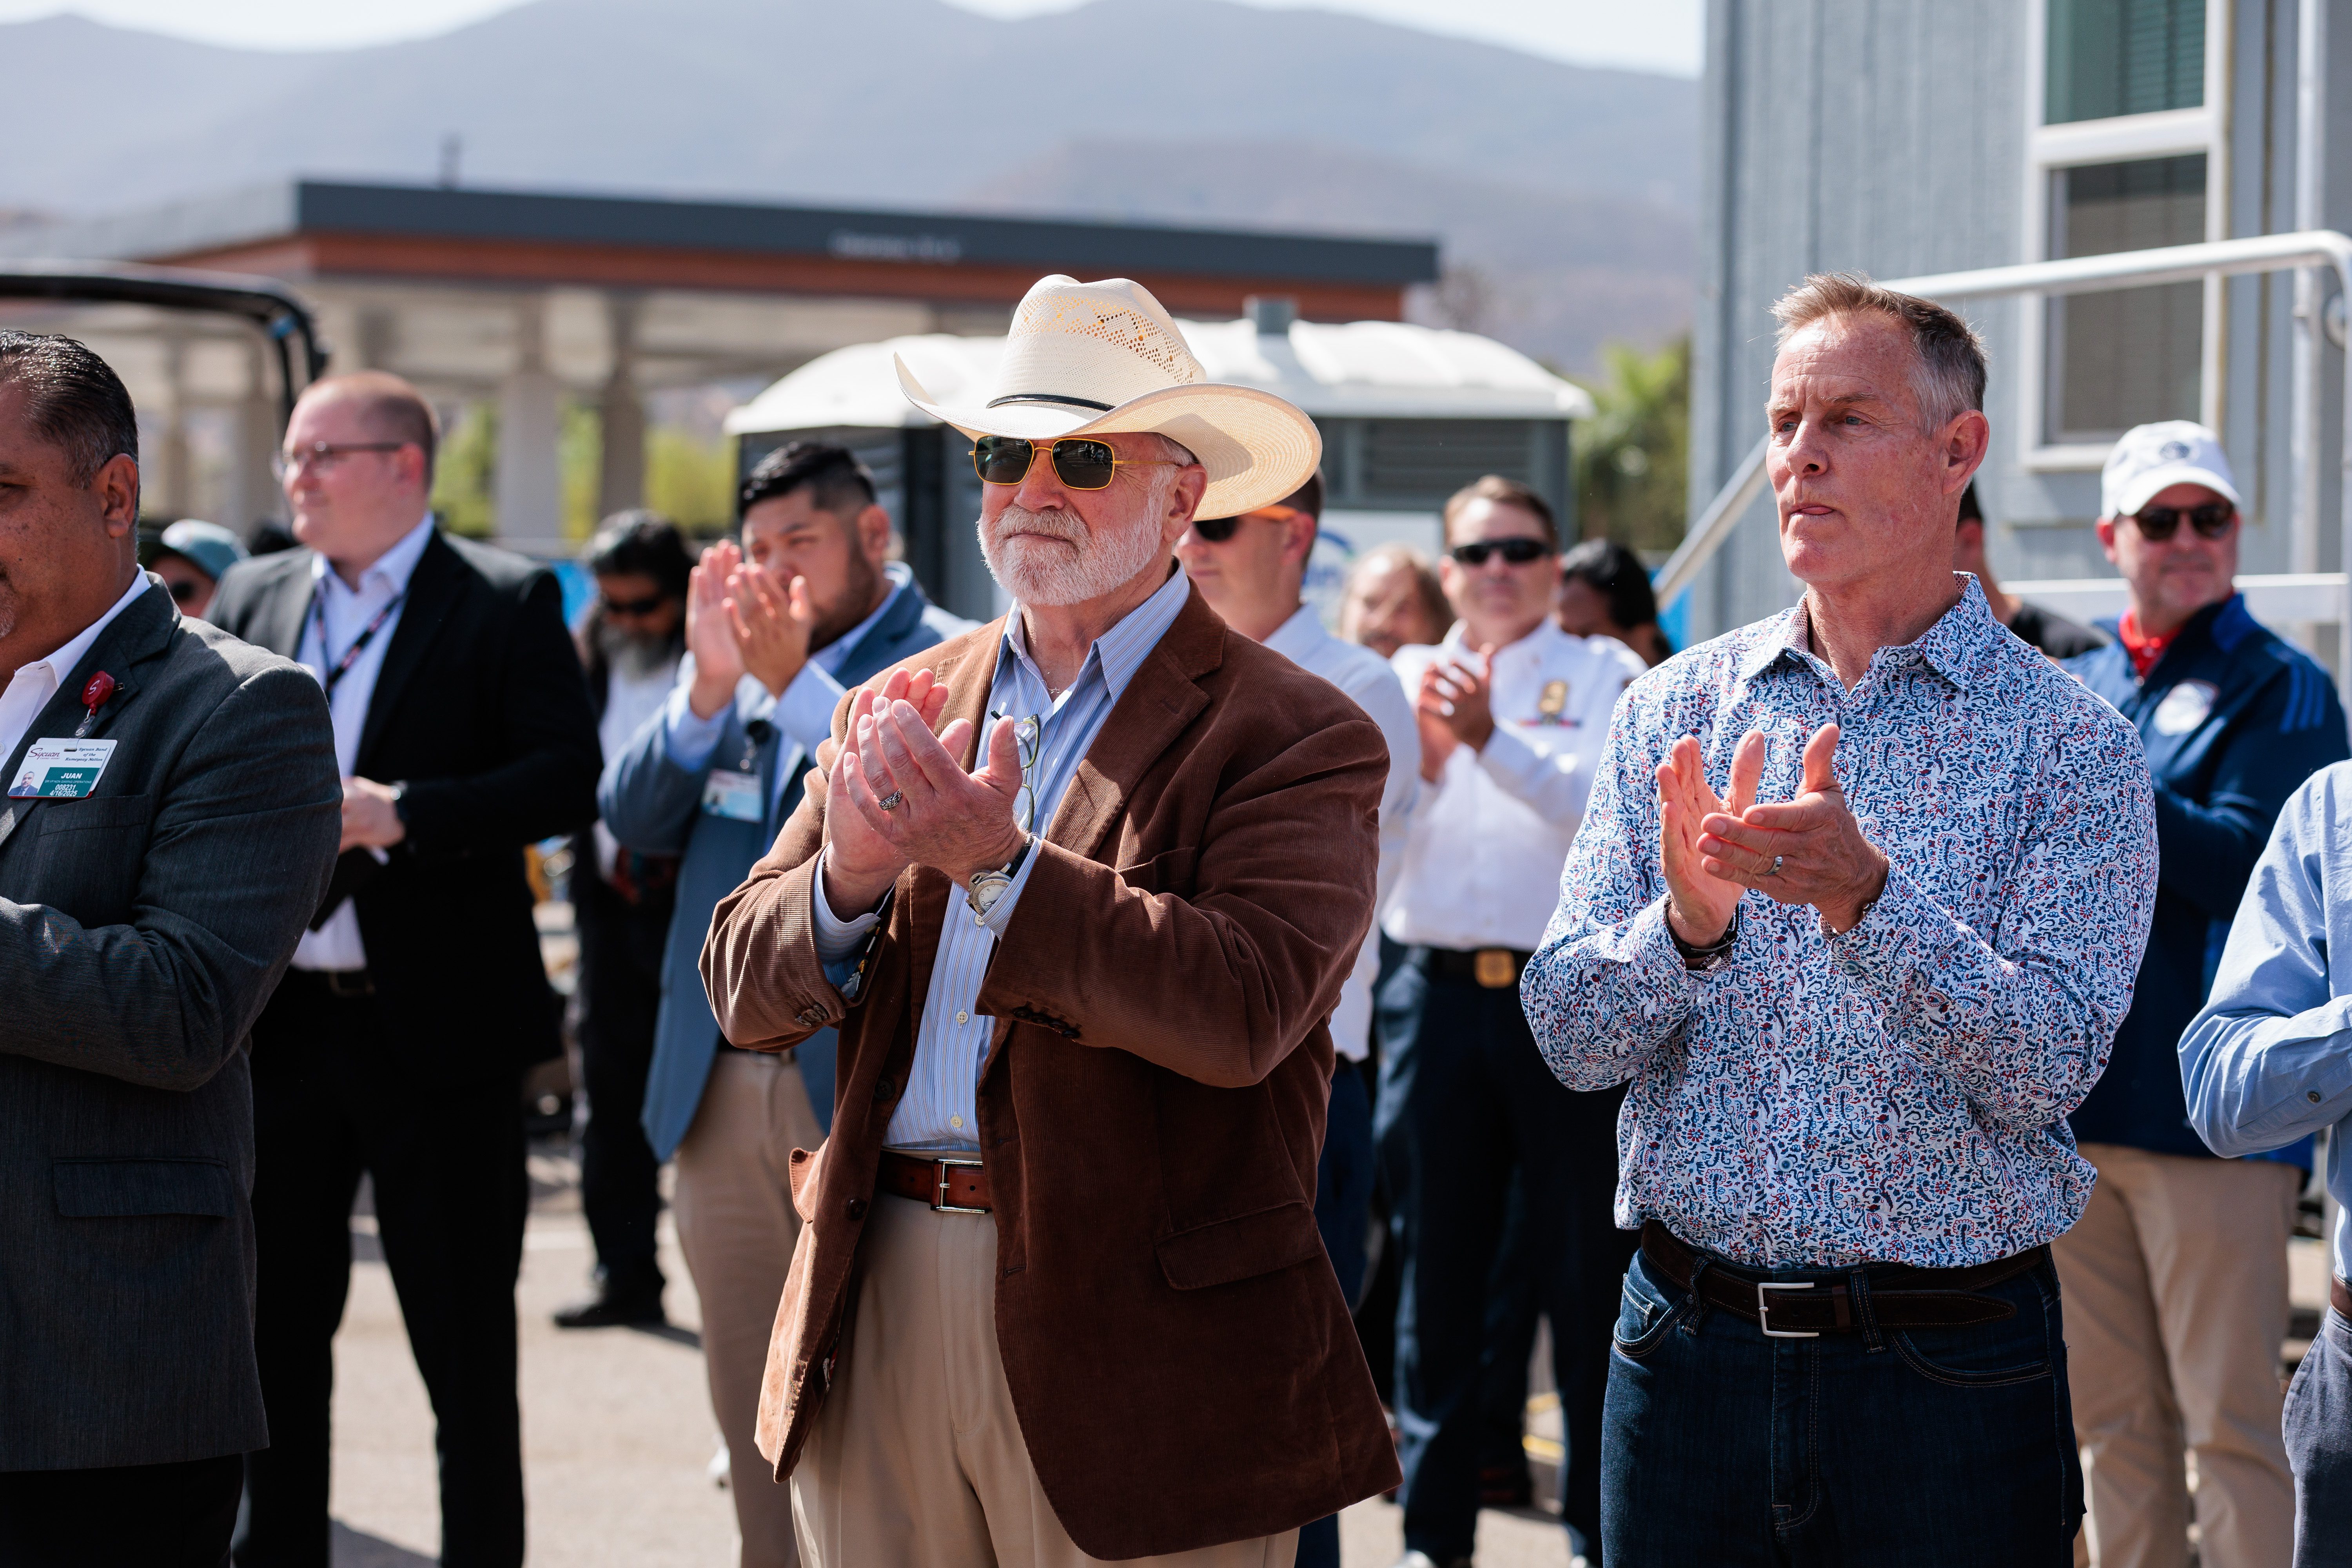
(917, 1458)
(736, 1226)
(2175, 1301)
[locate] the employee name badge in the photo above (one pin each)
(67, 770)
(733, 796)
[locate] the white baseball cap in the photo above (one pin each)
(2153, 457)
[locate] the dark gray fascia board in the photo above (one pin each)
(284, 209)
(917, 237)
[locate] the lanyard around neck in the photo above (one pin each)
(335, 677)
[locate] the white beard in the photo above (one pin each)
(1040, 572)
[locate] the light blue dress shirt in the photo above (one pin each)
(939, 1111)
(2269, 1061)
(803, 713)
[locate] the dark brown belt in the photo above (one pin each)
(2339, 1296)
(951, 1183)
(1492, 967)
(1901, 1297)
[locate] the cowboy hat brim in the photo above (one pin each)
(1257, 447)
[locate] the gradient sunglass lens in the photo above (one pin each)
(1084, 465)
(1002, 460)
(1215, 530)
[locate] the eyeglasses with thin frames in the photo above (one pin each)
(321, 456)
(1027, 736)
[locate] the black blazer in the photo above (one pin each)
(482, 711)
(142, 928)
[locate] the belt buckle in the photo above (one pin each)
(1492, 967)
(940, 1189)
(1764, 1309)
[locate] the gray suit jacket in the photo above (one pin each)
(141, 930)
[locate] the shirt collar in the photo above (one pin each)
(1960, 646)
(1119, 652)
(390, 572)
(61, 663)
(831, 656)
(1300, 636)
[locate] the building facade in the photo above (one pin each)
(1901, 138)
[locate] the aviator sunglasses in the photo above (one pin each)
(1078, 463)
(2158, 523)
(1517, 551)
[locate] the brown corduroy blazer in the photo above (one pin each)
(1151, 1107)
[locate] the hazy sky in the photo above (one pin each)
(1654, 34)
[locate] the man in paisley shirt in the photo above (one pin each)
(1856, 1019)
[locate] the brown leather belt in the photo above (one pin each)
(2339, 1296)
(1492, 967)
(1901, 1297)
(951, 1183)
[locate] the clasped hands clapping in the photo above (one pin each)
(741, 619)
(1809, 850)
(937, 814)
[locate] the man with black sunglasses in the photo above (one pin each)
(2179, 1265)
(1513, 711)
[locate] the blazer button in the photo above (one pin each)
(811, 1016)
(857, 1208)
(882, 1091)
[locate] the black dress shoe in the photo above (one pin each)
(615, 1310)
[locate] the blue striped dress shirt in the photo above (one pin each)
(939, 1112)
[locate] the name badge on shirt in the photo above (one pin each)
(731, 794)
(64, 770)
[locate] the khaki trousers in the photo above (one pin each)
(2176, 1294)
(917, 1458)
(736, 1226)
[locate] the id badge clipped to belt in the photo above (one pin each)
(732, 794)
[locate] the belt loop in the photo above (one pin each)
(1857, 1285)
(1697, 1320)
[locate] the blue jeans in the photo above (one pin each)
(1928, 1446)
(1468, 1111)
(2318, 1431)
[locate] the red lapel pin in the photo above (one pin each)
(94, 697)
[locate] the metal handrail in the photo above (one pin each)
(2075, 275)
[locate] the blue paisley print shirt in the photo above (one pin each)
(1898, 1091)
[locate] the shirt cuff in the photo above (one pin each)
(690, 739)
(805, 713)
(838, 940)
(1890, 941)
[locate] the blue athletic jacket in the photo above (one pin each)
(2234, 719)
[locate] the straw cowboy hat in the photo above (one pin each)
(1095, 359)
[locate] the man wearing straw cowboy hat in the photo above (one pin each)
(1061, 1297)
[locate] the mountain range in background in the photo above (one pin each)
(1564, 197)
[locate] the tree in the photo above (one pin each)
(1632, 459)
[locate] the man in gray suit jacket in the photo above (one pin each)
(711, 778)
(171, 821)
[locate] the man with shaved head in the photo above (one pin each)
(1856, 912)
(396, 1046)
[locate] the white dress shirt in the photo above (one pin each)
(938, 1113)
(34, 684)
(337, 615)
(1368, 679)
(1482, 861)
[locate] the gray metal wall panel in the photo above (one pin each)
(1889, 136)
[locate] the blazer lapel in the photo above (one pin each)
(277, 624)
(431, 591)
(1162, 698)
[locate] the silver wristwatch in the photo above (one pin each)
(988, 887)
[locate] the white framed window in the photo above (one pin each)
(2126, 142)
